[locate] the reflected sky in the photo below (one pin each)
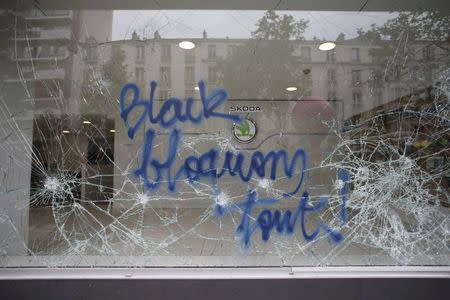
(235, 24)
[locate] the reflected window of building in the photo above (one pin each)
(140, 54)
(397, 72)
(331, 76)
(357, 99)
(232, 50)
(165, 76)
(211, 51)
(91, 54)
(51, 50)
(164, 94)
(189, 74)
(331, 56)
(305, 53)
(212, 74)
(332, 95)
(140, 75)
(356, 77)
(378, 98)
(27, 52)
(165, 52)
(355, 55)
(115, 49)
(427, 53)
(428, 73)
(62, 51)
(376, 79)
(398, 92)
(189, 93)
(189, 56)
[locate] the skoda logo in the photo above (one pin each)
(245, 131)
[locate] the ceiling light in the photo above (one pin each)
(66, 131)
(291, 88)
(86, 122)
(327, 46)
(186, 45)
(112, 130)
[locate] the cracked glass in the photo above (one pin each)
(224, 138)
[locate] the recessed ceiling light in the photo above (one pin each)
(186, 45)
(66, 131)
(86, 122)
(196, 88)
(112, 130)
(291, 88)
(327, 46)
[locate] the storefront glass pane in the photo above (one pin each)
(219, 138)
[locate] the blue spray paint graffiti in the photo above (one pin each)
(268, 221)
(206, 165)
(209, 102)
(195, 168)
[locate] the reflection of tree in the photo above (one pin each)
(418, 26)
(114, 71)
(105, 85)
(413, 49)
(396, 37)
(430, 26)
(264, 65)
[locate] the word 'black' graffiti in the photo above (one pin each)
(172, 108)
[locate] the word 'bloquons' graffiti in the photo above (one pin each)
(210, 166)
(206, 165)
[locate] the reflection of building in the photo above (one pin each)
(43, 50)
(352, 76)
(352, 73)
(39, 59)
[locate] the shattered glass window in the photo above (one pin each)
(224, 138)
